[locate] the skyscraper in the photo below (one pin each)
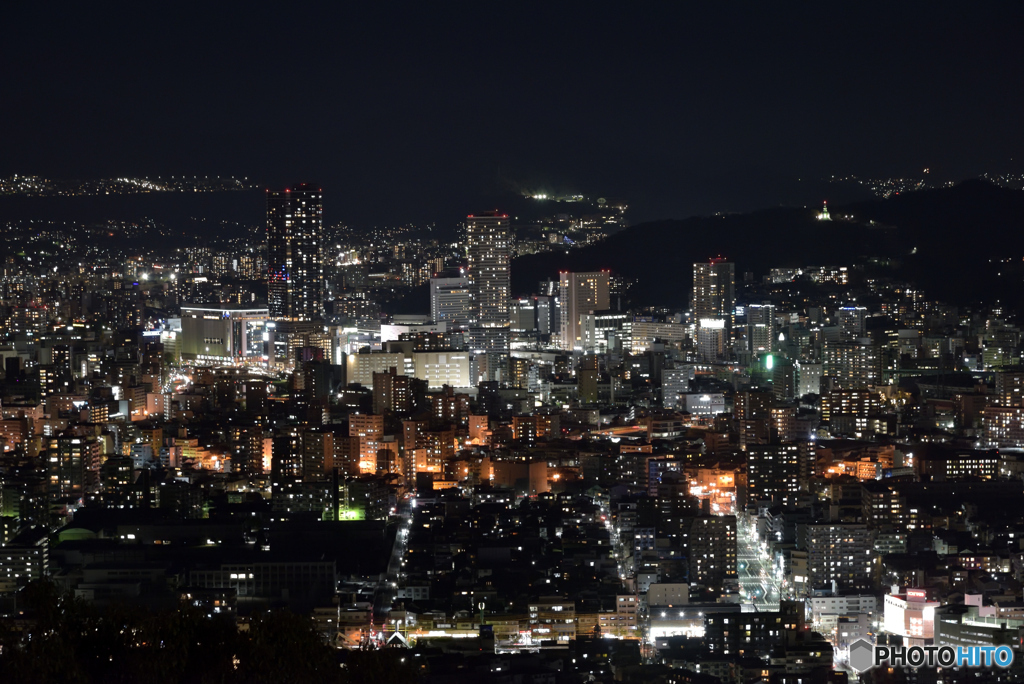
(714, 290)
(294, 240)
(580, 293)
(489, 254)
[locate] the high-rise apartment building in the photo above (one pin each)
(852, 323)
(808, 378)
(784, 380)
(1010, 388)
(711, 339)
(773, 473)
(580, 293)
(74, 465)
(840, 555)
(370, 431)
(712, 550)
(391, 392)
(295, 275)
(848, 410)
(675, 382)
(489, 252)
(852, 365)
(489, 255)
(714, 290)
(762, 332)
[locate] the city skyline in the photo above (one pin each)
(657, 343)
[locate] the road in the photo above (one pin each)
(757, 584)
(386, 588)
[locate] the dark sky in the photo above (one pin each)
(423, 111)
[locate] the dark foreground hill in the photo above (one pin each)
(943, 240)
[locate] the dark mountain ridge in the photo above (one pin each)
(943, 240)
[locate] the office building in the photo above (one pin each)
(642, 334)
(295, 288)
(546, 310)
(523, 316)
(602, 331)
(451, 368)
(359, 368)
(972, 624)
(451, 301)
(580, 293)
(704, 404)
(223, 334)
(808, 378)
(910, 615)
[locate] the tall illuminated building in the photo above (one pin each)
(761, 328)
(295, 272)
(852, 365)
(580, 293)
(489, 255)
(773, 473)
(711, 339)
(714, 290)
(852, 322)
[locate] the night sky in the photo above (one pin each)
(412, 112)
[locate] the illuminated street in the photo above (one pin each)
(757, 586)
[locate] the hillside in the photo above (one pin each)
(955, 232)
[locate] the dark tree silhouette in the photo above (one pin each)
(62, 639)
